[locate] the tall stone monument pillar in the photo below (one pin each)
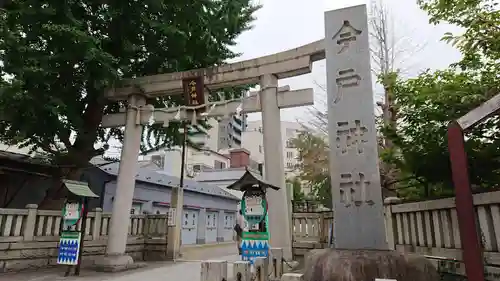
(354, 169)
(279, 224)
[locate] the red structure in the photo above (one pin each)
(472, 251)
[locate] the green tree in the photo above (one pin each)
(427, 103)
(425, 106)
(298, 194)
(480, 20)
(313, 153)
(60, 56)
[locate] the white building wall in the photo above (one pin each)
(173, 159)
(253, 138)
(252, 141)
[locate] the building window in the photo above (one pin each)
(289, 165)
(289, 144)
(159, 160)
(289, 154)
(196, 168)
(260, 148)
(219, 165)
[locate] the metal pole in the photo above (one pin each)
(181, 180)
(82, 237)
(472, 253)
(183, 154)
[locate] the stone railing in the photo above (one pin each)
(310, 231)
(430, 228)
(29, 237)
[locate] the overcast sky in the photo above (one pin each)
(286, 24)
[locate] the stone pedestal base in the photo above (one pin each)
(337, 265)
(115, 263)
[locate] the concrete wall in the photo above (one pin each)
(151, 198)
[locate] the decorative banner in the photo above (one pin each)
(69, 248)
(253, 245)
(72, 212)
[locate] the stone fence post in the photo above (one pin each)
(276, 263)
(29, 227)
(261, 269)
(242, 271)
(390, 223)
(96, 226)
(214, 271)
(146, 226)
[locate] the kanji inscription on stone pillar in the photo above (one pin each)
(354, 168)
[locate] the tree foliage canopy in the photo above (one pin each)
(417, 161)
(60, 56)
(427, 103)
(313, 153)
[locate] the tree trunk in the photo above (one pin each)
(57, 193)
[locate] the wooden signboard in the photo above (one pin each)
(194, 91)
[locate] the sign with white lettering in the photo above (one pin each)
(171, 216)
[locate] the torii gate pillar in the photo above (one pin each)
(274, 171)
(115, 257)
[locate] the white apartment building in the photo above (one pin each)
(169, 160)
(253, 141)
(215, 143)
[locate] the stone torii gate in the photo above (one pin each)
(250, 104)
(264, 70)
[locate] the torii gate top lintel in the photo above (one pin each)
(290, 63)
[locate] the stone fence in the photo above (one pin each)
(310, 231)
(29, 237)
(430, 228)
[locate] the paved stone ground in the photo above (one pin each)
(187, 269)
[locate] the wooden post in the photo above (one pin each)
(276, 263)
(29, 227)
(292, 277)
(96, 226)
(214, 271)
(261, 269)
(241, 271)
